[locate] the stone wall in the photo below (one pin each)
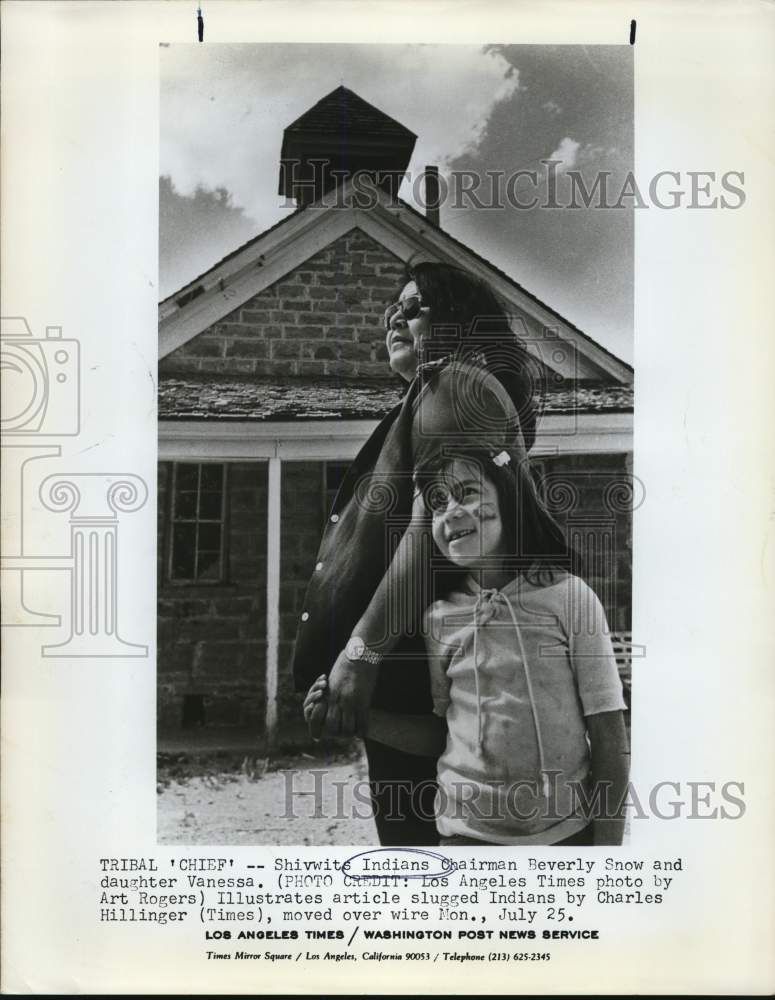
(323, 319)
(588, 496)
(303, 515)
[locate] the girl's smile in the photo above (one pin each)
(455, 535)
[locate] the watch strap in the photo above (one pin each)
(357, 651)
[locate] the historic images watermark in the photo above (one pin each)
(315, 793)
(553, 186)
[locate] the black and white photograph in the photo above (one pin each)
(386, 449)
(388, 270)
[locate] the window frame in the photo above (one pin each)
(223, 562)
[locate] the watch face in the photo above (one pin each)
(355, 648)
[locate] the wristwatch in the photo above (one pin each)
(357, 649)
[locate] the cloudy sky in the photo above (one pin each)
(498, 108)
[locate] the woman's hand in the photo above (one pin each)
(315, 706)
(350, 687)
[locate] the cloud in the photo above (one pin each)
(223, 109)
(566, 153)
(196, 231)
(552, 107)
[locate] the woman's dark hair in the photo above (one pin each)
(467, 319)
(536, 546)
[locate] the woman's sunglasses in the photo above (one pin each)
(409, 308)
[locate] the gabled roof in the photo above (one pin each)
(272, 254)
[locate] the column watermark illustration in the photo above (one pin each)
(94, 502)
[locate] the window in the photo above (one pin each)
(333, 474)
(198, 507)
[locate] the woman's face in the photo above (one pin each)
(404, 335)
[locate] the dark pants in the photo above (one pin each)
(581, 839)
(403, 790)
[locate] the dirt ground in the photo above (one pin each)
(297, 798)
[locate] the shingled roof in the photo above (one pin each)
(343, 109)
(188, 397)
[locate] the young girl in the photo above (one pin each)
(522, 669)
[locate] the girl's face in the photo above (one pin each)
(403, 336)
(467, 526)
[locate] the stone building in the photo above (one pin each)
(272, 374)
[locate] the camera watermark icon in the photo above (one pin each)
(41, 399)
(40, 381)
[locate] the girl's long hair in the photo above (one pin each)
(467, 319)
(536, 547)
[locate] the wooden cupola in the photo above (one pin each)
(340, 136)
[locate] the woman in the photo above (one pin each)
(470, 381)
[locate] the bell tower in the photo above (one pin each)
(340, 136)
